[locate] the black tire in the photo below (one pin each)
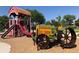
(42, 42)
(67, 40)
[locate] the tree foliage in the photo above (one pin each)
(37, 17)
(48, 23)
(58, 19)
(69, 19)
(3, 21)
(77, 22)
(55, 23)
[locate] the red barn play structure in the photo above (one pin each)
(16, 24)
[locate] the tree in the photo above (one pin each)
(48, 23)
(63, 22)
(37, 17)
(69, 19)
(77, 22)
(55, 23)
(3, 21)
(59, 19)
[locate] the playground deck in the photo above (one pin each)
(24, 45)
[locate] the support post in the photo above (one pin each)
(29, 23)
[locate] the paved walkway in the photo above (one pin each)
(4, 47)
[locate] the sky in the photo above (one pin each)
(50, 12)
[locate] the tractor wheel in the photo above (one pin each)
(67, 38)
(42, 42)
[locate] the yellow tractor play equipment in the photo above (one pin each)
(43, 29)
(45, 34)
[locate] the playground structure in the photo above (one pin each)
(16, 23)
(43, 35)
(46, 35)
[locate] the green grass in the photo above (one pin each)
(76, 30)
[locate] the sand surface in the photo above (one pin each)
(25, 45)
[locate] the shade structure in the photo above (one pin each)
(17, 11)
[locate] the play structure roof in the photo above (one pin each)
(19, 11)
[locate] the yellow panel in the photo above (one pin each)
(44, 29)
